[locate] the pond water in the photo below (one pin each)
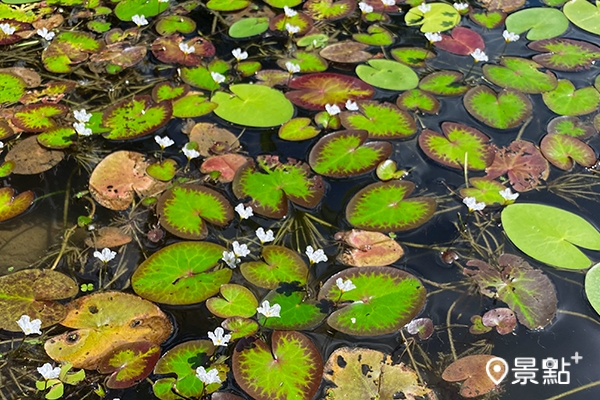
(76, 175)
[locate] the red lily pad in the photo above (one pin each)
(503, 5)
(135, 117)
(563, 54)
(503, 319)
(226, 165)
(38, 117)
(524, 164)
(368, 249)
(422, 327)
(15, 36)
(129, 364)
(564, 151)
(167, 50)
(463, 41)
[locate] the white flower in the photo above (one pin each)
(472, 204)
(217, 77)
(244, 212)
(460, 6)
(433, 37)
(81, 129)
(292, 28)
(28, 326)
(509, 36)
(239, 54)
(139, 20)
(424, 8)
(7, 29)
(46, 34)
(315, 256)
(240, 250)
(105, 255)
(479, 55)
(163, 1)
(1, 145)
(332, 109)
(264, 237)
(289, 12)
(163, 142)
(353, 320)
(292, 68)
(82, 115)
(365, 8)
(344, 285)
(48, 372)
(351, 105)
(268, 310)
(187, 49)
(389, 2)
(230, 259)
(189, 152)
(209, 377)
(508, 195)
(218, 338)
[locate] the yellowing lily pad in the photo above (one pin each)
(11, 205)
(368, 249)
(440, 17)
(132, 118)
(129, 364)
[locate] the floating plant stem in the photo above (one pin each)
(410, 355)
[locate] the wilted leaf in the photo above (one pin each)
(368, 249)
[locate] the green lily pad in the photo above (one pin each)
(272, 184)
(412, 56)
(227, 5)
(504, 110)
(186, 210)
(583, 14)
(298, 129)
(418, 100)
(566, 100)
(12, 88)
(236, 301)
(550, 235)
(290, 368)
(484, 190)
(540, 23)
(376, 36)
(31, 292)
(592, 287)
(564, 151)
(444, 83)
(300, 20)
(126, 9)
(297, 312)
(240, 327)
(282, 3)
(248, 27)
(201, 77)
(171, 24)
(307, 61)
(520, 74)
(166, 91)
(136, 117)
(253, 105)
(67, 49)
(11, 205)
(565, 54)
(384, 300)
(192, 105)
(248, 68)
(380, 120)
(279, 265)
(129, 364)
(345, 153)
(488, 19)
(570, 126)
(38, 117)
(329, 10)
(163, 171)
(57, 138)
(7, 168)
(384, 207)
(181, 273)
(440, 17)
(387, 74)
(459, 141)
(528, 292)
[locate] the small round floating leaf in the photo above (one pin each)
(182, 273)
(368, 249)
(348, 52)
(297, 129)
(422, 327)
(240, 327)
(300, 20)
(503, 319)
(440, 17)
(444, 83)
(329, 10)
(236, 301)
(383, 207)
(380, 120)
(471, 370)
(126, 9)
(504, 110)
(376, 36)
(308, 62)
(484, 190)
(283, 3)
(57, 138)
(290, 369)
(7, 168)
(463, 41)
(524, 164)
(297, 312)
(418, 100)
(566, 100)
(458, 140)
(12, 88)
(31, 158)
(11, 205)
(132, 118)
(345, 153)
(387, 74)
(129, 364)
(563, 151)
(192, 105)
(592, 287)
(412, 56)
(38, 117)
(503, 5)
(550, 235)
(520, 74)
(570, 126)
(565, 54)
(248, 27)
(163, 171)
(280, 265)
(540, 23)
(583, 14)
(384, 300)
(248, 68)
(227, 5)
(253, 105)
(488, 19)
(171, 24)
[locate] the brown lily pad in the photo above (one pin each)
(208, 136)
(348, 52)
(471, 370)
(524, 164)
(31, 158)
(503, 319)
(366, 248)
(225, 164)
(108, 236)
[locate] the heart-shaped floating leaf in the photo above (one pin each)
(550, 235)
(290, 369)
(253, 105)
(329, 10)
(541, 23)
(248, 27)
(129, 364)
(227, 5)
(376, 36)
(380, 120)
(30, 292)
(67, 49)
(31, 158)
(418, 100)
(503, 319)
(57, 138)
(463, 41)
(182, 360)
(297, 312)
(524, 164)
(384, 300)
(298, 129)
(11, 205)
(225, 165)
(422, 327)
(488, 19)
(439, 17)
(458, 143)
(240, 327)
(272, 184)
(387, 74)
(412, 56)
(503, 5)
(570, 126)
(181, 273)
(347, 52)
(201, 76)
(168, 50)
(484, 190)
(583, 14)
(563, 151)
(163, 171)
(283, 3)
(504, 110)
(105, 321)
(346, 368)
(300, 19)
(527, 291)
(38, 117)
(384, 207)
(344, 153)
(6, 131)
(314, 91)
(472, 370)
(592, 287)
(368, 249)
(280, 265)
(12, 88)
(444, 83)
(565, 54)
(192, 105)
(132, 118)
(126, 9)
(237, 301)
(565, 100)
(308, 62)
(7, 168)
(520, 74)
(171, 24)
